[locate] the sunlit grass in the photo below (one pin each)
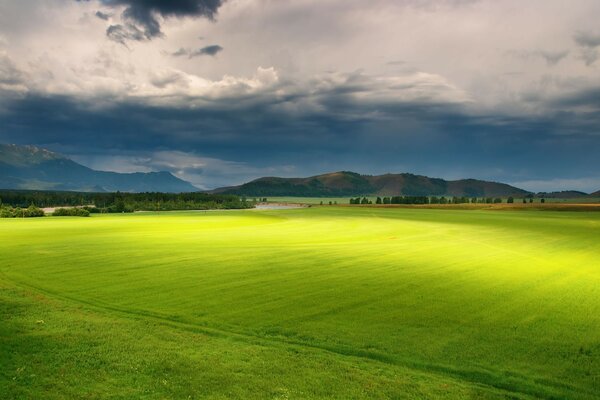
(456, 303)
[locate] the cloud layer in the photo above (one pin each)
(385, 86)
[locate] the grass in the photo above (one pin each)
(324, 302)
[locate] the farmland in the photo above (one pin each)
(322, 302)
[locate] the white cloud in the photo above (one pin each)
(63, 48)
(203, 172)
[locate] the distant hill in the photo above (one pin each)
(595, 194)
(565, 194)
(30, 167)
(346, 183)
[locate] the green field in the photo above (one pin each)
(323, 302)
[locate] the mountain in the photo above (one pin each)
(346, 183)
(565, 194)
(30, 167)
(595, 194)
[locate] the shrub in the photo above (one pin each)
(71, 212)
(29, 212)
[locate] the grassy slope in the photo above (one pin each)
(321, 302)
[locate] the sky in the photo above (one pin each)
(219, 92)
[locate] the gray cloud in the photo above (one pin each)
(9, 73)
(587, 39)
(102, 16)
(144, 13)
(211, 50)
(589, 42)
(163, 80)
(553, 57)
(181, 52)
(122, 33)
(590, 56)
(268, 102)
(353, 121)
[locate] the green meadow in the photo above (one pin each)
(321, 302)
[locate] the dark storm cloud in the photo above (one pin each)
(211, 50)
(587, 99)
(102, 16)
(341, 131)
(145, 13)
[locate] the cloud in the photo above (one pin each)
(211, 50)
(122, 33)
(9, 74)
(587, 39)
(589, 43)
(11, 77)
(203, 172)
(163, 79)
(553, 57)
(458, 107)
(145, 13)
(256, 126)
(181, 52)
(103, 16)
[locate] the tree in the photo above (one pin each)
(542, 200)
(378, 201)
(510, 200)
(364, 201)
(524, 201)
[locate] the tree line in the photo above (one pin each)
(123, 202)
(436, 200)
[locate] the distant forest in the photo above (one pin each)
(437, 200)
(123, 202)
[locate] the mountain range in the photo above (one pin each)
(345, 183)
(34, 168)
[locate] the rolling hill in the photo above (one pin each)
(346, 183)
(30, 167)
